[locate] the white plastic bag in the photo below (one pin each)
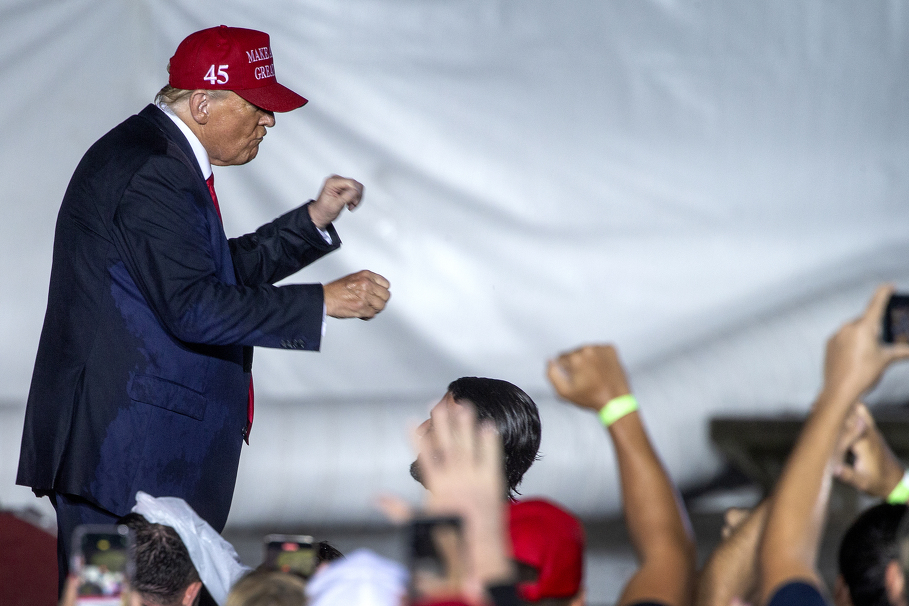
(216, 560)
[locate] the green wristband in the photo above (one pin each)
(617, 408)
(900, 494)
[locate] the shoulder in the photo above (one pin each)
(797, 593)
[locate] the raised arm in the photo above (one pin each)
(731, 570)
(874, 469)
(464, 473)
(855, 359)
(592, 377)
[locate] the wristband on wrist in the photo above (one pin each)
(618, 407)
(900, 494)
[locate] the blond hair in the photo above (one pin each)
(268, 588)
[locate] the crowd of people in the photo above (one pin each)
(503, 550)
(142, 396)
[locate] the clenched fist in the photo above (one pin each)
(360, 295)
(337, 192)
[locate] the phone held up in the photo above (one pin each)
(896, 319)
(103, 560)
(436, 557)
(293, 553)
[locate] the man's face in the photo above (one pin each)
(234, 130)
(425, 430)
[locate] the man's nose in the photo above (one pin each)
(267, 119)
(422, 428)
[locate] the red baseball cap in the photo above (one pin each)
(551, 540)
(232, 58)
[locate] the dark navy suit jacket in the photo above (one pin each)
(142, 372)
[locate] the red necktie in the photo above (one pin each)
(250, 401)
(214, 197)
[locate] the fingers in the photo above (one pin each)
(878, 303)
(845, 473)
(396, 509)
(733, 518)
(854, 429)
(589, 376)
(897, 351)
(558, 376)
(348, 191)
(337, 192)
(360, 295)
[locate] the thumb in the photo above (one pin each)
(854, 428)
(558, 376)
(845, 473)
(396, 509)
(898, 351)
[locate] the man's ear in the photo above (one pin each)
(895, 583)
(200, 106)
(192, 593)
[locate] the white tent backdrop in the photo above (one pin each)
(714, 186)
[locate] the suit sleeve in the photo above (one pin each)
(280, 248)
(166, 233)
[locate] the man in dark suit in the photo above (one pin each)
(142, 379)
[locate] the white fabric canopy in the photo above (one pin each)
(714, 186)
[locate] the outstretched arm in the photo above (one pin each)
(855, 359)
(592, 377)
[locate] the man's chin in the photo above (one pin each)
(415, 472)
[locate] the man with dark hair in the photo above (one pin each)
(164, 573)
(869, 559)
(512, 411)
(871, 562)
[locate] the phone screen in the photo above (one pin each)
(896, 320)
(290, 553)
(103, 561)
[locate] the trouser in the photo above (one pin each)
(73, 511)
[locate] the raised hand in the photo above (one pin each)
(337, 192)
(589, 376)
(874, 470)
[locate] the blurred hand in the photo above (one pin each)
(360, 295)
(463, 469)
(590, 376)
(70, 591)
(732, 519)
(855, 356)
(337, 192)
(875, 470)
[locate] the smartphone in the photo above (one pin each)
(436, 557)
(103, 560)
(896, 319)
(293, 553)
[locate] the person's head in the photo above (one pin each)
(164, 573)
(222, 85)
(512, 411)
(869, 558)
(548, 547)
(268, 588)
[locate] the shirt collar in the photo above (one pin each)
(198, 148)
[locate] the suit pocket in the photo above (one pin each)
(167, 395)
